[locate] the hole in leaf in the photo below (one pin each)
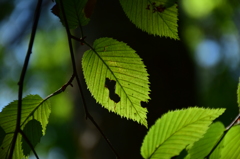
(144, 104)
(111, 84)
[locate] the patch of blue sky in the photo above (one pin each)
(231, 50)
(208, 53)
(12, 25)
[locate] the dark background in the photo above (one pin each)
(202, 69)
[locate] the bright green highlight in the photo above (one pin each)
(74, 10)
(200, 9)
(144, 15)
(203, 147)
(175, 130)
(117, 61)
(66, 111)
(32, 108)
(230, 145)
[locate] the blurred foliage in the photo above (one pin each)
(216, 24)
(50, 67)
(48, 70)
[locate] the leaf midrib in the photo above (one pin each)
(157, 147)
(150, 2)
(117, 81)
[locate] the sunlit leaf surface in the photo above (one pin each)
(229, 147)
(203, 147)
(175, 130)
(116, 61)
(157, 17)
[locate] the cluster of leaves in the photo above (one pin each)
(192, 129)
(34, 120)
(109, 59)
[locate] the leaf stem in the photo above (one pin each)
(23, 73)
(72, 53)
(60, 90)
(78, 80)
(233, 122)
(29, 143)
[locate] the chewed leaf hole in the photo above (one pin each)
(144, 104)
(111, 85)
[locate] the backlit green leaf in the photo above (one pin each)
(116, 61)
(74, 10)
(203, 147)
(32, 108)
(157, 17)
(230, 144)
(175, 130)
(216, 154)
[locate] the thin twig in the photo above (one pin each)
(60, 90)
(29, 143)
(78, 81)
(233, 122)
(72, 53)
(223, 135)
(104, 136)
(20, 83)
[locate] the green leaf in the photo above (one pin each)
(32, 108)
(2, 135)
(230, 144)
(74, 10)
(153, 16)
(216, 154)
(170, 3)
(33, 131)
(116, 61)
(203, 147)
(175, 130)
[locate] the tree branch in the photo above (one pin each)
(24, 70)
(78, 81)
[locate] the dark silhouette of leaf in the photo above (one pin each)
(33, 131)
(89, 8)
(2, 135)
(74, 10)
(32, 108)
